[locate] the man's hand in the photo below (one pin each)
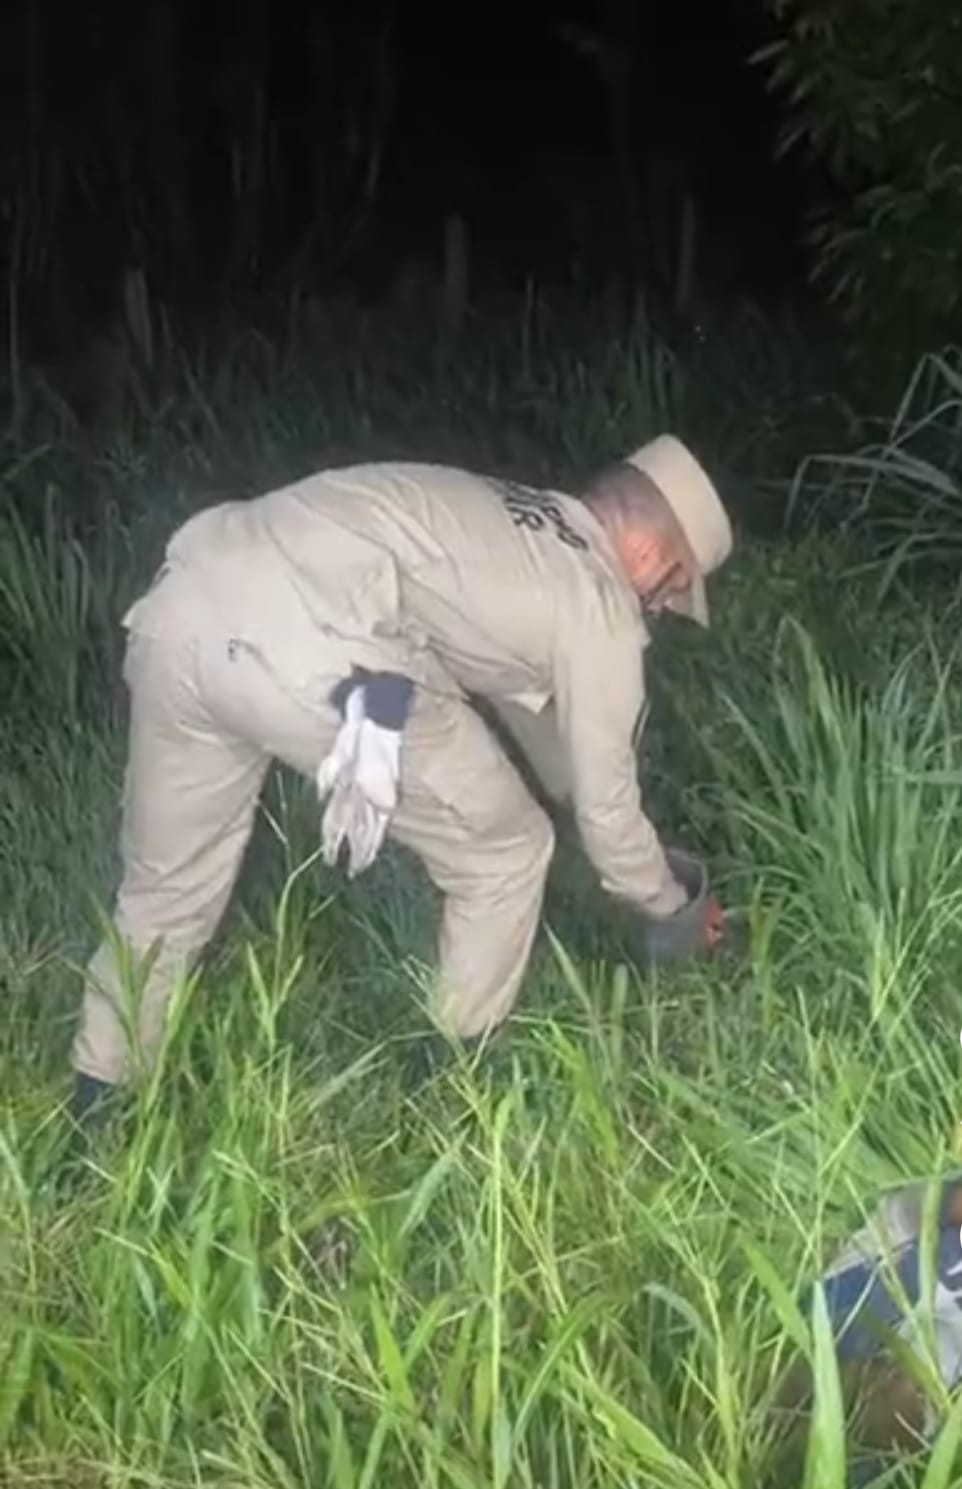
(697, 927)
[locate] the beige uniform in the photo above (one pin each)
(468, 586)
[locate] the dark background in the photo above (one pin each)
(235, 150)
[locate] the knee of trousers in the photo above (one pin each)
(513, 864)
(539, 839)
(511, 869)
(486, 941)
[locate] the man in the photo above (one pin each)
(342, 625)
(889, 1298)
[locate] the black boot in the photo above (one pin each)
(90, 1101)
(432, 1054)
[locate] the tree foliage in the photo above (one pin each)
(874, 90)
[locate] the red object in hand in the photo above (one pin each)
(714, 924)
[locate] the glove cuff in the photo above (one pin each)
(681, 934)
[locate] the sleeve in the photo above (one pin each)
(599, 698)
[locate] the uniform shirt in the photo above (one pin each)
(467, 584)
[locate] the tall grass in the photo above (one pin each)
(905, 488)
(548, 387)
(576, 1263)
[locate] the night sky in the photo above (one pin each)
(485, 101)
(134, 124)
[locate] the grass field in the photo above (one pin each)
(574, 1266)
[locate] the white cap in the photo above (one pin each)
(697, 505)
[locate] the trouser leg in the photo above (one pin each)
(486, 844)
(190, 794)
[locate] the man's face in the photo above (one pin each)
(658, 561)
(652, 549)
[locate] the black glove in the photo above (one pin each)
(689, 930)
